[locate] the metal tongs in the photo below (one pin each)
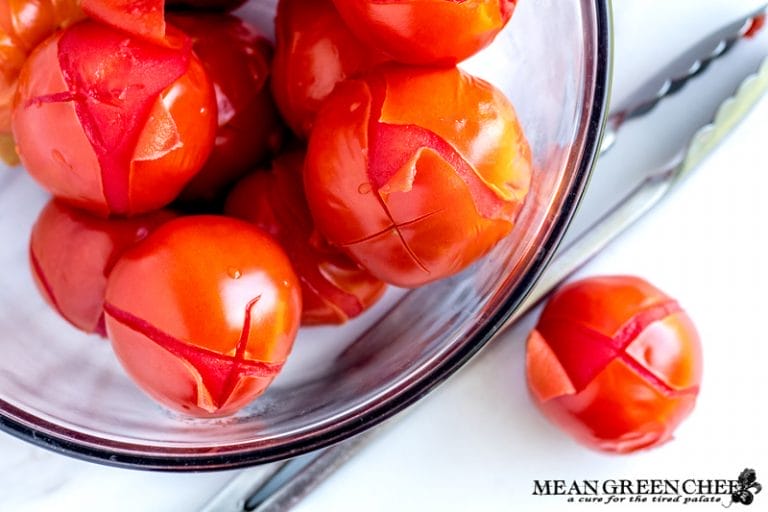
(279, 487)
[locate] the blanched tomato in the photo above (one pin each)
(71, 254)
(203, 313)
(112, 123)
(416, 172)
(334, 288)
(237, 60)
(314, 51)
(615, 362)
(427, 32)
(23, 25)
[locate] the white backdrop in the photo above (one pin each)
(477, 443)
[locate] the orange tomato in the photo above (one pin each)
(416, 172)
(314, 51)
(213, 318)
(426, 32)
(23, 25)
(112, 123)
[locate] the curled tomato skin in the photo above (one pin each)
(112, 123)
(71, 254)
(615, 362)
(237, 59)
(427, 32)
(213, 319)
(23, 25)
(416, 172)
(314, 51)
(334, 288)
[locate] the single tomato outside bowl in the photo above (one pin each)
(65, 390)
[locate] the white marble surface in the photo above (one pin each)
(477, 443)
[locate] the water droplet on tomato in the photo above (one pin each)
(234, 273)
(364, 188)
(141, 233)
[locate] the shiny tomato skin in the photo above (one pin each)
(387, 156)
(314, 51)
(334, 288)
(615, 362)
(71, 254)
(23, 25)
(214, 316)
(122, 140)
(422, 32)
(237, 59)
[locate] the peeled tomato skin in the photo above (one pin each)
(158, 181)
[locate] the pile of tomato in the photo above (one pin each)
(212, 192)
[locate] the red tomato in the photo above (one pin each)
(334, 288)
(213, 317)
(427, 32)
(314, 51)
(112, 123)
(615, 362)
(23, 25)
(416, 172)
(237, 60)
(71, 254)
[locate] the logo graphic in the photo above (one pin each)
(695, 490)
(747, 482)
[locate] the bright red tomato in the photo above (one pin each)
(237, 59)
(23, 25)
(416, 172)
(71, 254)
(314, 51)
(212, 318)
(615, 362)
(334, 288)
(112, 123)
(427, 32)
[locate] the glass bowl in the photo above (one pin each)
(65, 390)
